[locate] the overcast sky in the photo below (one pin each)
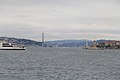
(60, 19)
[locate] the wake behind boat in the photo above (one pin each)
(8, 46)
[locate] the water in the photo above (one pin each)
(60, 64)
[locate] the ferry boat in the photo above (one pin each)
(8, 46)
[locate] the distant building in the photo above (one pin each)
(109, 45)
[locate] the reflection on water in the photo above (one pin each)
(59, 64)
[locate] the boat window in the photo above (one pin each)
(7, 45)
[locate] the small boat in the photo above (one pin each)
(8, 46)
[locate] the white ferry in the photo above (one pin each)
(8, 46)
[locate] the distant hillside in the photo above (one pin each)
(69, 43)
(72, 43)
(102, 40)
(57, 43)
(25, 42)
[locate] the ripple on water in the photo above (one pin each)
(59, 64)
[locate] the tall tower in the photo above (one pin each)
(42, 39)
(94, 43)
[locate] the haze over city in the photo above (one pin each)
(68, 19)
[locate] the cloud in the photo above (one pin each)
(29, 18)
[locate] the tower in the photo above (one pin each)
(42, 39)
(94, 43)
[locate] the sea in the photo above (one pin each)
(42, 63)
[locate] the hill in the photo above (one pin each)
(57, 43)
(25, 42)
(72, 43)
(69, 43)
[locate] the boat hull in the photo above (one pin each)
(9, 46)
(12, 49)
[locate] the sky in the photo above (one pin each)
(60, 19)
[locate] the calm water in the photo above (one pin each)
(60, 64)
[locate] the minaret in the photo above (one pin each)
(86, 44)
(42, 39)
(94, 43)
